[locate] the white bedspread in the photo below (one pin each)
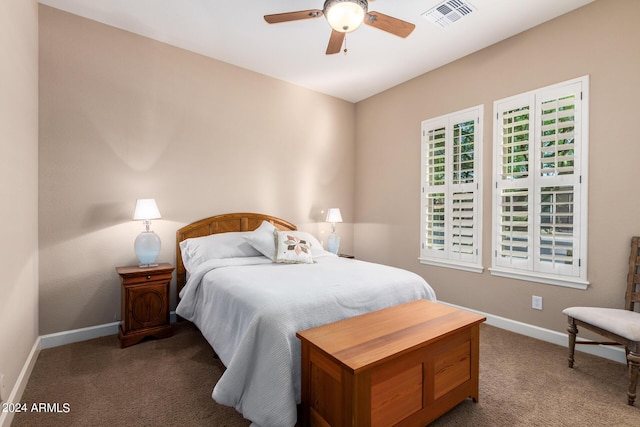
(249, 310)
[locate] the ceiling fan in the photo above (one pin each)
(345, 16)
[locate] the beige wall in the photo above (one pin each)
(599, 40)
(18, 186)
(124, 117)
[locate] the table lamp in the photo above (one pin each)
(147, 244)
(333, 241)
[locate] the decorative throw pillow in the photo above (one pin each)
(292, 249)
(316, 246)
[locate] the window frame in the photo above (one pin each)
(536, 267)
(447, 257)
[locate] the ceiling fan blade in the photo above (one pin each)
(335, 42)
(292, 16)
(389, 24)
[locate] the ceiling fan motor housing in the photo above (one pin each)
(345, 15)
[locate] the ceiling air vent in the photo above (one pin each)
(448, 12)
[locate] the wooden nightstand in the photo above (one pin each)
(145, 303)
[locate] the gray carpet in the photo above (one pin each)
(523, 382)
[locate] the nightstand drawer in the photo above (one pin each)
(132, 280)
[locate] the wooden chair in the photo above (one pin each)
(621, 326)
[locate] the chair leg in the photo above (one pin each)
(633, 360)
(573, 330)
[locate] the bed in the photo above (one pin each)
(250, 281)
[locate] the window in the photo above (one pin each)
(451, 202)
(540, 192)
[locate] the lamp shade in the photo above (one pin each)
(345, 15)
(146, 209)
(333, 215)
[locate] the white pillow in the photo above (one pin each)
(291, 249)
(262, 239)
(223, 245)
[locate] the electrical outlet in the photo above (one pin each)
(536, 302)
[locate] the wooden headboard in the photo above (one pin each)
(221, 224)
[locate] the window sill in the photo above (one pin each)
(567, 282)
(473, 268)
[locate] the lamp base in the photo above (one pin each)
(333, 243)
(147, 248)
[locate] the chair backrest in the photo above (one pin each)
(632, 298)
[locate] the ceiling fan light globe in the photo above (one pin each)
(345, 15)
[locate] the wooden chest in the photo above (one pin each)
(404, 365)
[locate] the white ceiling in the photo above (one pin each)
(235, 32)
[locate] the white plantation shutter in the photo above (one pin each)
(540, 147)
(557, 241)
(463, 228)
(435, 223)
(515, 126)
(514, 234)
(435, 159)
(451, 210)
(558, 181)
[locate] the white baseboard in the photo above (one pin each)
(616, 354)
(608, 352)
(77, 335)
(83, 334)
(21, 383)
